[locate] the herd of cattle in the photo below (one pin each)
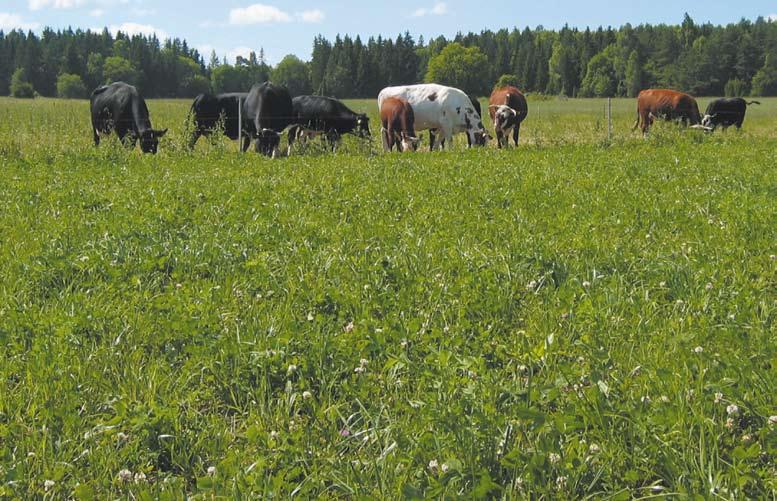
(265, 112)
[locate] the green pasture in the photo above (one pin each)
(572, 319)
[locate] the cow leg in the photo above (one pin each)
(499, 135)
(333, 138)
(516, 133)
(292, 135)
(431, 139)
(96, 137)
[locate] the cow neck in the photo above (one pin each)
(140, 117)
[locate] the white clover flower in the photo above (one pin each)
(140, 477)
(718, 397)
(698, 350)
(310, 316)
(594, 449)
(664, 399)
(125, 475)
(307, 395)
(122, 437)
(747, 439)
(732, 410)
(662, 284)
(708, 286)
(349, 327)
(404, 343)
(772, 421)
(646, 400)
(211, 471)
(561, 482)
(291, 370)
(444, 468)
(531, 285)
(274, 434)
(554, 458)
(433, 465)
(773, 257)
(48, 484)
(680, 302)
(586, 284)
(730, 424)
(360, 370)
(364, 362)
(732, 317)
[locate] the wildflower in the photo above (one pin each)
(444, 467)
(662, 284)
(140, 477)
(345, 432)
(178, 286)
(732, 317)
(680, 302)
(645, 400)
(364, 362)
(310, 316)
(772, 421)
(664, 399)
(747, 439)
(433, 465)
(307, 395)
(698, 350)
(404, 343)
(708, 286)
(360, 370)
(211, 471)
(594, 449)
(48, 484)
(730, 424)
(732, 410)
(554, 458)
(561, 482)
(349, 327)
(274, 435)
(586, 284)
(773, 257)
(532, 285)
(718, 397)
(121, 436)
(125, 475)
(291, 370)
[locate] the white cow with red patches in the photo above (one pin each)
(446, 110)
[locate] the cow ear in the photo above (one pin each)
(161, 133)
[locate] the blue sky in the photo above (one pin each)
(234, 27)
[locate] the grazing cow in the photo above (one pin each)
(324, 115)
(726, 112)
(207, 110)
(666, 104)
(481, 140)
(508, 109)
(267, 111)
(444, 109)
(397, 121)
(118, 107)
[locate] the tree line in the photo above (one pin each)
(736, 59)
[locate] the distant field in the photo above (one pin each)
(569, 319)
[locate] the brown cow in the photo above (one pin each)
(666, 104)
(398, 125)
(508, 108)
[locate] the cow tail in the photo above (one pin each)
(636, 124)
(754, 102)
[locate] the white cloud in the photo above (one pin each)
(97, 13)
(772, 18)
(138, 29)
(311, 16)
(258, 14)
(55, 4)
(439, 9)
(10, 22)
(143, 12)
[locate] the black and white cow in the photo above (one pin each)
(319, 115)
(207, 110)
(268, 111)
(726, 112)
(118, 107)
(446, 110)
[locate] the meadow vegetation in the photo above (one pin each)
(575, 318)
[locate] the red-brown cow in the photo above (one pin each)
(508, 108)
(666, 104)
(398, 122)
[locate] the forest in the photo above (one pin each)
(702, 59)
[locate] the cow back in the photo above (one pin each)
(511, 97)
(268, 106)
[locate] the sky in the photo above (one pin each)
(235, 27)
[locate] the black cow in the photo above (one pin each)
(328, 116)
(726, 112)
(267, 110)
(118, 107)
(207, 110)
(479, 140)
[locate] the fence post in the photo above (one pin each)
(240, 124)
(609, 119)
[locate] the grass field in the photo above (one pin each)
(575, 318)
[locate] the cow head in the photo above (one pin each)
(476, 133)
(269, 139)
(149, 140)
(410, 142)
(505, 118)
(363, 126)
(707, 120)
